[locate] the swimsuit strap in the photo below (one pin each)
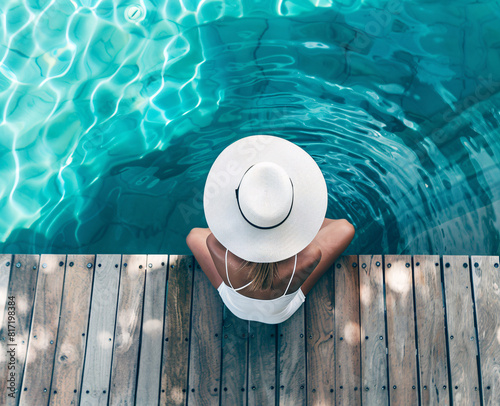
(293, 273)
(286, 290)
(227, 276)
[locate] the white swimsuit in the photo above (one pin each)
(271, 311)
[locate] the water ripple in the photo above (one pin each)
(110, 125)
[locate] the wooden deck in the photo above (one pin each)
(149, 330)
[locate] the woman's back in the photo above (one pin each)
(289, 276)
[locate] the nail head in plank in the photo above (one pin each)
(43, 333)
(127, 331)
(5, 266)
(486, 279)
(205, 351)
(373, 350)
(460, 318)
(320, 341)
(347, 331)
(431, 332)
(234, 359)
(22, 284)
(292, 360)
(262, 364)
(72, 334)
(148, 381)
(97, 367)
(174, 377)
(401, 330)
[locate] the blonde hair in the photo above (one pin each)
(262, 274)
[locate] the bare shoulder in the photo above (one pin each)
(212, 241)
(310, 258)
(216, 249)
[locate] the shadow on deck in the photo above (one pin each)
(149, 330)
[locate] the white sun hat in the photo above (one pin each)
(265, 198)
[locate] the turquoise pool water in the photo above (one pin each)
(112, 116)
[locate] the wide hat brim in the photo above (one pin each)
(225, 220)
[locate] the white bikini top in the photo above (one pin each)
(243, 287)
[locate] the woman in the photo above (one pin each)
(268, 240)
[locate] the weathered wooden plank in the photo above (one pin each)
(234, 359)
(320, 341)
(5, 265)
(205, 351)
(148, 381)
(461, 332)
(401, 330)
(373, 341)
(174, 377)
(72, 334)
(6, 310)
(431, 333)
(97, 367)
(292, 360)
(127, 330)
(486, 277)
(347, 331)
(22, 284)
(262, 364)
(43, 333)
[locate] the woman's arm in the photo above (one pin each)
(333, 238)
